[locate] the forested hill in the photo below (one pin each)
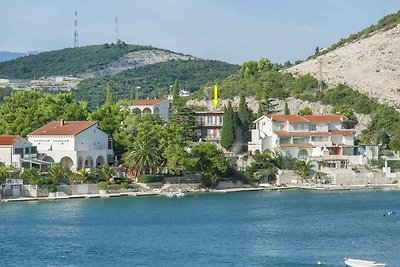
(154, 80)
(69, 61)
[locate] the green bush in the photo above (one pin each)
(102, 185)
(150, 178)
(51, 188)
(124, 185)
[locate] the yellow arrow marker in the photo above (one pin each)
(215, 95)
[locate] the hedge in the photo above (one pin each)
(150, 178)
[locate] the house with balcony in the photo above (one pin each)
(16, 152)
(151, 106)
(302, 137)
(209, 125)
(75, 144)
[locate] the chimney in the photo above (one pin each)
(62, 122)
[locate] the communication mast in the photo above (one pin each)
(76, 30)
(116, 29)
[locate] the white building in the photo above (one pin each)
(151, 106)
(15, 151)
(302, 136)
(75, 144)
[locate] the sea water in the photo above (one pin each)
(291, 228)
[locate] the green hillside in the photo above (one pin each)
(68, 61)
(154, 80)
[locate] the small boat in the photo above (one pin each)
(362, 263)
(176, 194)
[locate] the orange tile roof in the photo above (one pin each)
(289, 118)
(147, 102)
(342, 132)
(284, 133)
(65, 128)
(7, 140)
(295, 145)
(306, 118)
(324, 118)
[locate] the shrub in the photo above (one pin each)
(150, 178)
(102, 185)
(124, 185)
(51, 188)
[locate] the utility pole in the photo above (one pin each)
(320, 74)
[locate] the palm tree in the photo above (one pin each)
(107, 172)
(143, 158)
(58, 173)
(31, 176)
(84, 175)
(303, 167)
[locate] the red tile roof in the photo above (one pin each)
(324, 118)
(342, 132)
(289, 118)
(307, 118)
(63, 128)
(295, 145)
(147, 102)
(7, 140)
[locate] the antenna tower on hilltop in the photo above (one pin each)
(76, 29)
(116, 29)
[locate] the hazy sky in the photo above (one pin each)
(229, 30)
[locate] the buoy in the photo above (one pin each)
(319, 263)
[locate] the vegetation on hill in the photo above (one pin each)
(264, 81)
(154, 80)
(68, 61)
(386, 23)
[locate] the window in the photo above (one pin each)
(284, 140)
(19, 151)
(27, 150)
(33, 149)
(209, 120)
(313, 127)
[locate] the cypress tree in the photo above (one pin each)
(175, 90)
(110, 97)
(244, 115)
(228, 127)
(286, 109)
(266, 106)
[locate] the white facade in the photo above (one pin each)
(151, 106)
(89, 148)
(13, 153)
(302, 136)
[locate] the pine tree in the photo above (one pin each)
(266, 105)
(286, 109)
(110, 97)
(228, 127)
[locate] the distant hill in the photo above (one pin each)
(367, 61)
(6, 55)
(154, 79)
(123, 66)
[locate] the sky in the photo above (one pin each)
(230, 30)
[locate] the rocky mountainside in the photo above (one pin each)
(369, 65)
(134, 60)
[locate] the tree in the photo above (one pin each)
(303, 168)
(110, 100)
(58, 173)
(316, 50)
(305, 111)
(245, 115)
(266, 105)
(106, 172)
(175, 90)
(228, 127)
(394, 144)
(286, 110)
(184, 116)
(143, 158)
(207, 159)
(25, 111)
(84, 175)
(33, 177)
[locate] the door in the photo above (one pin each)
(16, 190)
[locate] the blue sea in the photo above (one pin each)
(288, 228)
